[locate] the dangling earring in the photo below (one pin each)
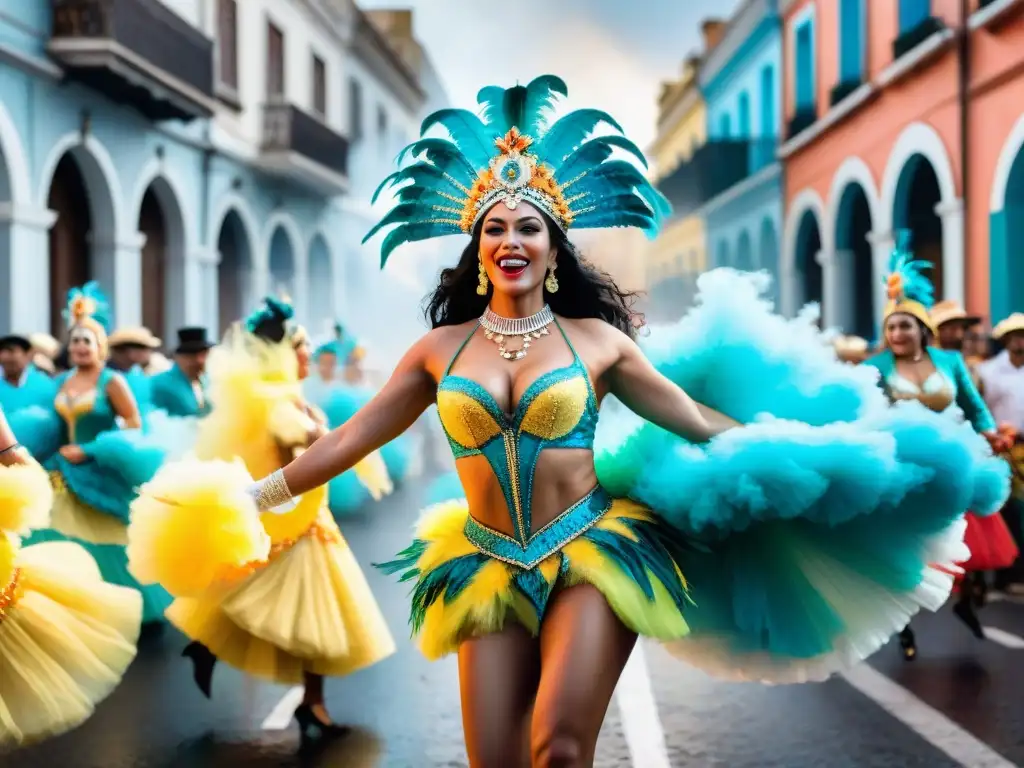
(481, 287)
(551, 282)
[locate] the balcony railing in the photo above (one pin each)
(842, 89)
(299, 145)
(802, 119)
(138, 52)
(714, 168)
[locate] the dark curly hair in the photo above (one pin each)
(583, 289)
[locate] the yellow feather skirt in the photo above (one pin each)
(66, 639)
(461, 592)
(307, 608)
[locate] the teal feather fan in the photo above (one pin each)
(510, 152)
(906, 280)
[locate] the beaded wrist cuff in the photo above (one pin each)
(272, 491)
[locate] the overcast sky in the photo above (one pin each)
(613, 54)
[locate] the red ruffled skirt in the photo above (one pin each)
(991, 543)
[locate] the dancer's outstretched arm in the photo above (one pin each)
(652, 396)
(409, 392)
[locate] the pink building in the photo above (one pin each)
(888, 103)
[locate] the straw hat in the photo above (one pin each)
(133, 337)
(948, 311)
(1014, 322)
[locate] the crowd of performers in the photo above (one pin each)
(765, 510)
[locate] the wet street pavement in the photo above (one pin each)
(959, 704)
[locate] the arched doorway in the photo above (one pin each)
(745, 253)
(282, 265)
(809, 282)
(722, 254)
(234, 271)
(70, 247)
(321, 284)
(917, 195)
(1006, 226)
(854, 262)
(153, 225)
(768, 248)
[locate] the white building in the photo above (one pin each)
(191, 162)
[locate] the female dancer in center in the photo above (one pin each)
(912, 368)
(542, 578)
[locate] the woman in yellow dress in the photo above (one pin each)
(302, 610)
(66, 636)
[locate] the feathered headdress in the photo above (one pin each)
(509, 155)
(85, 302)
(270, 321)
(908, 290)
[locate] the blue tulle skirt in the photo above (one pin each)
(816, 526)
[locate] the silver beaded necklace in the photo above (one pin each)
(499, 329)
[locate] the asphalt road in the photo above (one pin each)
(959, 704)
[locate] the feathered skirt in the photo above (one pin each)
(297, 604)
(66, 636)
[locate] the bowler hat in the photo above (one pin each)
(191, 340)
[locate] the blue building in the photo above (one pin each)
(741, 82)
(142, 146)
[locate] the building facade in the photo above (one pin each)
(894, 110)
(679, 253)
(740, 79)
(191, 155)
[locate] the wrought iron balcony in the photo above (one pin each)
(137, 52)
(712, 169)
(304, 148)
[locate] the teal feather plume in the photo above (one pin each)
(272, 309)
(474, 138)
(594, 152)
(100, 305)
(421, 174)
(444, 155)
(915, 284)
(569, 132)
(524, 107)
(406, 212)
(413, 232)
(603, 219)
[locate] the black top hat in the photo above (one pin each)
(15, 340)
(191, 340)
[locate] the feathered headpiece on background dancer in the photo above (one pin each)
(909, 291)
(510, 154)
(87, 307)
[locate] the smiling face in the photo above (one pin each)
(83, 347)
(516, 249)
(904, 335)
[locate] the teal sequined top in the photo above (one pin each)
(558, 410)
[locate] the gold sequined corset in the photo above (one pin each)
(558, 410)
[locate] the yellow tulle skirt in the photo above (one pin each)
(66, 639)
(308, 609)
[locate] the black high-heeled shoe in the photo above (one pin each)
(965, 612)
(312, 726)
(908, 644)
(203, 662)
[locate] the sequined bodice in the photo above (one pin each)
(558, 410)
(89, 413)
(937, 393)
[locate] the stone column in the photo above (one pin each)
(952, 215)
(197, 286)
(882, 244)
(117, 265)
(25, 268)
(830, 288)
